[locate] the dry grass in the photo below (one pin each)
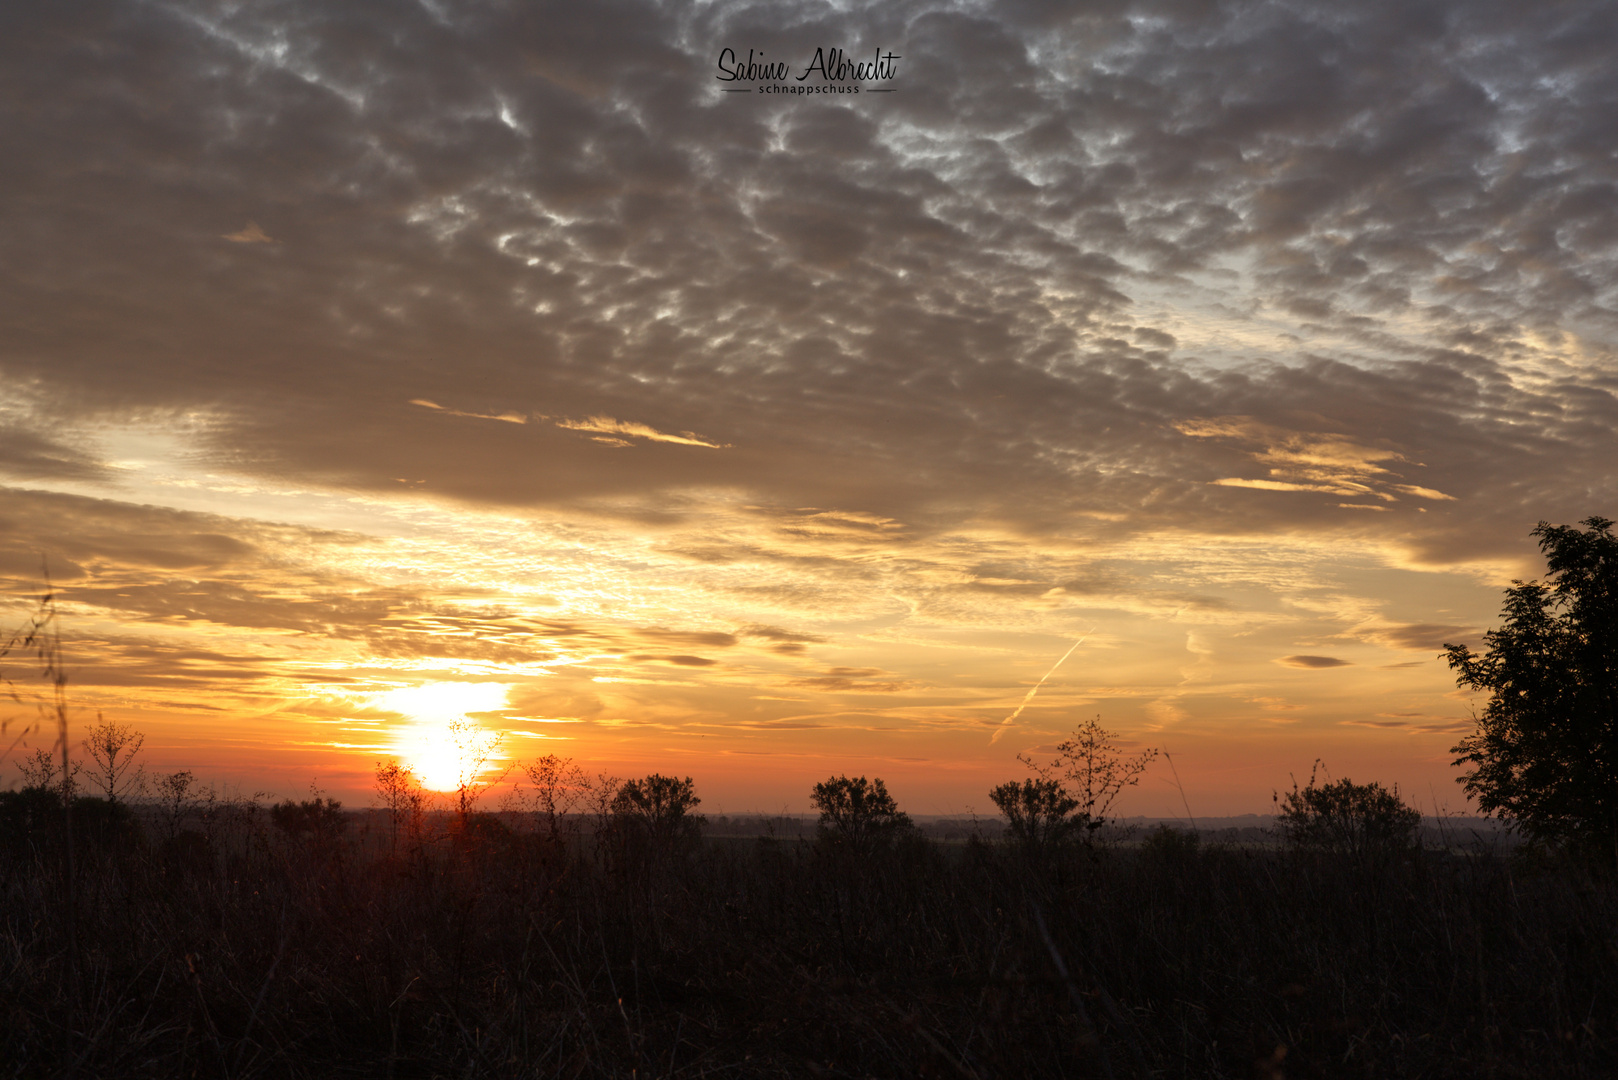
(247, 955)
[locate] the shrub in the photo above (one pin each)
(1168, 844)
(857, 814)
(32, 823)
(558, 788)
(1349, 818)
(1039, 814)
(112, 770)
(316, 819)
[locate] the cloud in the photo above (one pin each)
(678, 660)
(1218, 230)
(712, 638)
(510, 418)
(607, 425)
(1179, 316)
(252, 234)
(848, 680)
(30, 455)
(1313, 662)
(1428, 637)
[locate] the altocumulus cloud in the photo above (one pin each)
(1233, 268)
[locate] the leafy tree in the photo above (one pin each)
(1349, 818)
(1092, 771)
(1544, 754)
(658, 811)
(1038, 812)
(856, 813)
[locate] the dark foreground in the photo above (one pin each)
(250, 954)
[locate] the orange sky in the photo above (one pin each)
(368, 370)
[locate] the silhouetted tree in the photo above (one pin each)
(1090, 769)
(476, 750)
(857, 814)
(1038, 812)
(1545, 751)
(658, 811)
(558, 787)
(1342, 816)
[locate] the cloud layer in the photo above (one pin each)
(1090, 296)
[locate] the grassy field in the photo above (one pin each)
(233, 950)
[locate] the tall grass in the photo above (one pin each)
(243, 952)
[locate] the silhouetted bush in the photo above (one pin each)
(1167, 844)
(857, 815)
(1349, 818)
(1039, 814)
(318, 819)
(32, 823)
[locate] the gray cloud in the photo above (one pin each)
(1004, 291)
(1305, 661)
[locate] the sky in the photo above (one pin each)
(366, 367)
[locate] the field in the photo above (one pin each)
(237, 950)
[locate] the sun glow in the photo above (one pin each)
(445, 748)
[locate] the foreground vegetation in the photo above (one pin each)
(237, 948)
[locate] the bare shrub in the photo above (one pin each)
(405, 801)
(112, 770)
(558, 787)
(1091, 770)
(476, 749)
(42, 772)
(177, 798)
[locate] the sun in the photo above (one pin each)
(440, 743)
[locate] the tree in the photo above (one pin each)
(1089, 768)
(1349, 818)
(475, 750)
(857, 814)
(657, 811)
(558, 787)
(112, 748)
(1038, 812)
(1544, 753)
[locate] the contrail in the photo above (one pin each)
(1007, 722)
